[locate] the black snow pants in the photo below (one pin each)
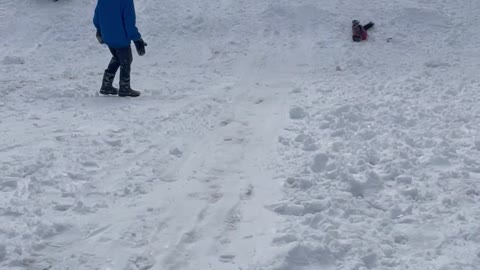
(121, 58)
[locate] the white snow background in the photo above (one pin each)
(265, 139)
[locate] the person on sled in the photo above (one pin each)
(359, 32)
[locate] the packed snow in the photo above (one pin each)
(265, 139)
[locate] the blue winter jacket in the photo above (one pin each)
(115, 19)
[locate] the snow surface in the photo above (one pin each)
(264, 140)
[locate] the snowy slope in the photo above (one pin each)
(264, 140)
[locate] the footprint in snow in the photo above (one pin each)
(227, 258)
(226, 122)
(248, 193)
(143, 262)
(8, 184)
(90, 164)
(297, 113)
(176, 152)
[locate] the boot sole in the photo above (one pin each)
(127, 95)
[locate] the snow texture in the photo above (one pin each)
(265, 139)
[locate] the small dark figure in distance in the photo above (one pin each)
(116, 26)
(359, 32)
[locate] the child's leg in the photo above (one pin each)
(368, 26)
(125, 59)
(109, 75)
(114, 63)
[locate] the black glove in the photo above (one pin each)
(140, 46)
(99, 37)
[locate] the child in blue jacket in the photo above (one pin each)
(116, 26)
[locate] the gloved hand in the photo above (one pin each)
(99, 37)
(140, 46)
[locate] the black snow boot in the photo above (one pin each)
(368, 25)
(126, 91)
(107, 85)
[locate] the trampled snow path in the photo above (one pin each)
(118, 195)
(201, 212)
(265, 139)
